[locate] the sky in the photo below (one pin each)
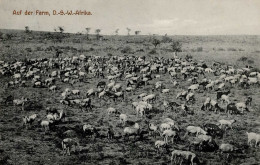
(174, 17)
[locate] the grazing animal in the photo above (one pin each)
(101, 84)
(227, 123)
(249, 100)
(241, 106)
(232, 109)
(220, 93)
(20, 102)
(213, 130)
(159, 143)
(206, 138)
(29, 120)
(134, 130)
(153, 129)
(225, 147)
(46, 124)
(169, 133)
(197, 130)
(111, 110)
(187, 155)
(253, 136)
(225, 99)
(123, 118)
(67, 145)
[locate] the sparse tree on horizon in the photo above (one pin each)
(137, 32)
(27, 30)
(61, 29)
(117, 30)
(128, 31)
(88, 30)
(97, 31)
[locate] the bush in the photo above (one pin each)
(166, 39)
(199, 49)
(250, 61)
(153, 51)
(176, 46)
(232, 49)
(7, 36)
(221, 49)
(127, 50)
(156, 42)
(243, 59)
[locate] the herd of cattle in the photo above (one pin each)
(118, 77)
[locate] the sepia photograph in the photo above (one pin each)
(138, 82)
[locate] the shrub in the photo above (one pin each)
(7, 36)
(153, 51)
(127, 49)
(199, 49)
(156, 42)
(243, 59)
(250, 61)
(232, 49)
(221, 49)
(28, 49)
(166, 39)
(176, 46)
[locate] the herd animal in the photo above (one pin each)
(130, 80)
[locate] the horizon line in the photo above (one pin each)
(139, 34)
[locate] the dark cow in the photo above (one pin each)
(213, 130)
(232, 109)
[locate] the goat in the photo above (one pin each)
(123, 118)
(194, 129)
(253, 136)
(184, 154)
(153, 129)
(67, 145)
(46, 124)
(131, 130)
(168, 133)
(227, 123)
(159, 143)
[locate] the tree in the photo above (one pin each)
(137, 32)
(156, 42)
(88, 30)
(97, 32)
(116, 31)
(27, 30)
(61, 29)
(128, 31)
(176, 46)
